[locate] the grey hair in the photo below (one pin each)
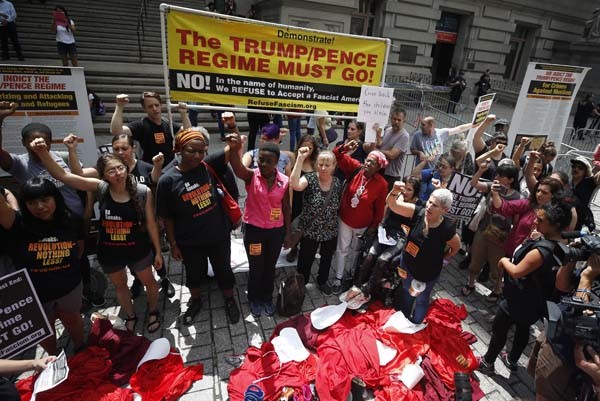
(329, 154)
(506, 161)
(204, 133)
(459, 146)
(444, 196)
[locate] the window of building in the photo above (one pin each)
(363, 19)
(521, 43)
(299, 23)
(408, 54)
(333, 27)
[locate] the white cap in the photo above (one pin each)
(323, 317)
(289, 347)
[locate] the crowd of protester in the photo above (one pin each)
(379, 235)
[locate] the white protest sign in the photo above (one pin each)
(465, 197)
(374, 108)
(479, 115)
(55, 373)
(545, 101)
(55, 96)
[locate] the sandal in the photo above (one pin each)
(492, 297)
(467, 290)
(153, 325)
(193, 309)
(133, 320)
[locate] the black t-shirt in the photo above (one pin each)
(490, 173)
(190, 199)
(142, 172)
(154, 138)
(422, 255)
(525, 298)
(583, 193)
(50, 253)
(122, 240)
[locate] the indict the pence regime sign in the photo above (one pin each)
(23, 322)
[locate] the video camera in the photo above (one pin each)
(590, 244)
(570, 320)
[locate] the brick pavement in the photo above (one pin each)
(211, 338)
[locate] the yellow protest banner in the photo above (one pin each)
(244, 62)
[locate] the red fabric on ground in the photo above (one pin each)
(126, 349)
(344, 354)
(165, 379)
(263, 364)
(88, 380)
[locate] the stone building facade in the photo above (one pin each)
(431, 36)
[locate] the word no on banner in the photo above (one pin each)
(222, 61)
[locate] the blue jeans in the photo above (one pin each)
(295, 133)
(421, 301)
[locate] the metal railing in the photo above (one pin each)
(586, 139)
(421, 102)
(506, 86)
(140, 29)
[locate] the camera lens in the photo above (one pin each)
(464, 391)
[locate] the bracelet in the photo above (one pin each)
(584, 290)
(393, 194)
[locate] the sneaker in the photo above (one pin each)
(325, 289)
(269, 308)
(232, 311)
(136, 288)
(485, 367)
(336, 288)
(167, 287)
(512, 366)
(256, 309)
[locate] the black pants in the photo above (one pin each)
(500, 327)
(195, 259)
(8, 391)
(306, 257)
(263, 246)
(376, 266)
(10, 31)
(255, 122)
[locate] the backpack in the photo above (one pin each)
(141, 190)
(290, 295)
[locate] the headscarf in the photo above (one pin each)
(185, 136)
(379, 157)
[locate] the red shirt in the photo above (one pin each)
(369, 211)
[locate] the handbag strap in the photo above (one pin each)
(215, 176)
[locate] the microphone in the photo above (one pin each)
(574, 234)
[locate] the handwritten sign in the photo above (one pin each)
(374, 108)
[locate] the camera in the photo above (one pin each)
(590, 244)
(569, 319)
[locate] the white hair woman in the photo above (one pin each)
(432, 239)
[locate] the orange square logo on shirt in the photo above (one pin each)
(159, 137)
(412, 249)
(255, 249)
(275, 214)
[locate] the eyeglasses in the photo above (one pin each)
(115, 170)
(578, 167)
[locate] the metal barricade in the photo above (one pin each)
(585, 139)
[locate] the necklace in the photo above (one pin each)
(361, 189)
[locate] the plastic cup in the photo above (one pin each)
(416, 287)
(411, 375)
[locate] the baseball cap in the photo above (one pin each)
(502, 121)
(582, 160)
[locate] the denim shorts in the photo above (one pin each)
(66, 48)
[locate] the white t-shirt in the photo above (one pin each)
(64, 36)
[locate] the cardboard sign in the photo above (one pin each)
(465, 197)
(374, 108)
(23, 322)
(484, 104)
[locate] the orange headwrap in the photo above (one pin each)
(186, 136)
